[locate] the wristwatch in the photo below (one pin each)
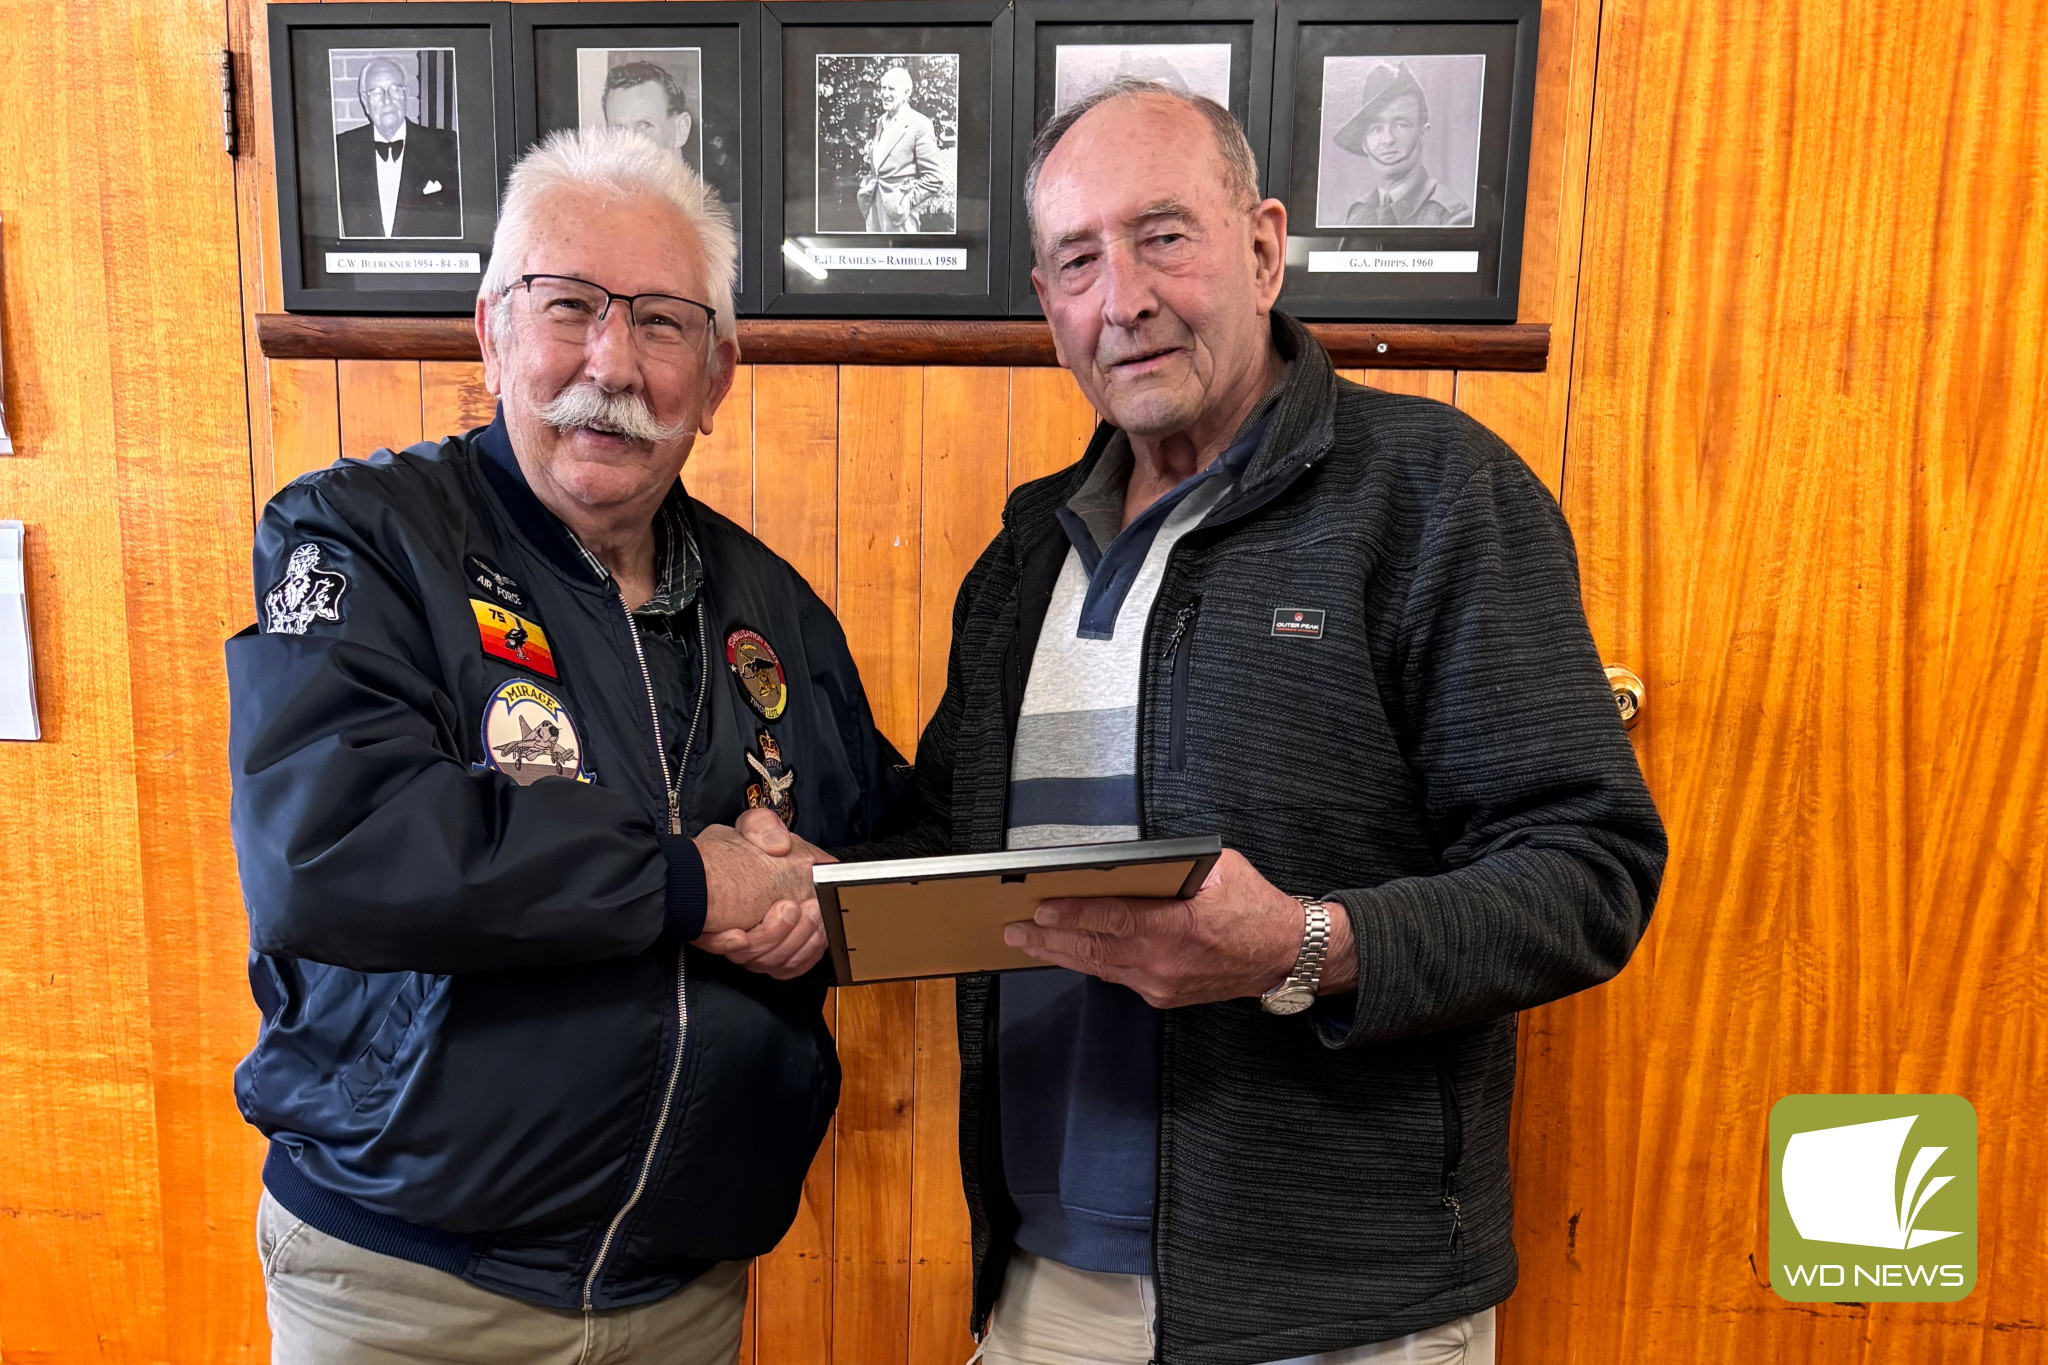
(1298, 991)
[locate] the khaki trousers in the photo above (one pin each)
(1053, 1314)
(333, 1303)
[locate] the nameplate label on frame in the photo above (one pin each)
(1393, 262)
(405, 263)
(859, 258)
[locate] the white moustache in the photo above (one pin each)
(621, 414)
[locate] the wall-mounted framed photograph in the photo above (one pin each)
(1402, 154)
(393, 133)
(685, 75)
(886, 176)
(1067, 48)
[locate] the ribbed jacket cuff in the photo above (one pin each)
(689, 901)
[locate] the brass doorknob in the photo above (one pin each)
(1628, 694)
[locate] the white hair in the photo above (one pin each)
(621, 163)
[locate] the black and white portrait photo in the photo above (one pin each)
(888, 142)
(657, 92)
(1080, 69)
(1400, 141)
(397, 159)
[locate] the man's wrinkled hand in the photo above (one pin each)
(743, 880)
(1238, 936)
(787, 942)
(765, 830)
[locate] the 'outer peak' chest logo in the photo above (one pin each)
(528, 734)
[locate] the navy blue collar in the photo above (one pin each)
(1113, 568)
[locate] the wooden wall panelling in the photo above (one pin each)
(965, 452)
(796, 492)
(453, 399)
(1968, 381)
(305, 424)
(1528, 410)
(255, 174)
(1805, 438)
(1441, 385)
(126, 1175)
(880, 429)
(380, 405)
(720, 472)
(796, 469)
(1050, 423)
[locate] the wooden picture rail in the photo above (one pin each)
(808, 341)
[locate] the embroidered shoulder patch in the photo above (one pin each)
(307, 593)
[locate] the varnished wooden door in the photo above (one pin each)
(1807, 473)
(126, 1176)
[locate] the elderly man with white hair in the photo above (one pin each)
(542, 1059)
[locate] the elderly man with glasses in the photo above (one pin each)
(542, 1059)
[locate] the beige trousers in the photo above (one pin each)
(1053, 1314)
(333, 1303)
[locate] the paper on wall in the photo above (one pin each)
(17, 657)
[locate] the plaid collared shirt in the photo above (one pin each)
(680, 571)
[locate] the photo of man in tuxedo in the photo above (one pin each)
(397, 177)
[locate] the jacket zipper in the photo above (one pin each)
(1180, 648)
(1454, 1142)
(673, 791)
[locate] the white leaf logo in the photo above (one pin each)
(1839, 1181)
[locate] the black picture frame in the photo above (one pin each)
(722, 143)
(808, 31)
(467, 95)
(1355, 268)
(1247, 26)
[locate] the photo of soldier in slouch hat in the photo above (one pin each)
(1391, 137)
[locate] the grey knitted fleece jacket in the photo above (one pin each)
(1444, 759)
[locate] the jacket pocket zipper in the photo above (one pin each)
(1454, 1144)
(1180, 650)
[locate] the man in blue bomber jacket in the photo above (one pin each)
(542, 1060)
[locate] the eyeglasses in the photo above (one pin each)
(573, 310)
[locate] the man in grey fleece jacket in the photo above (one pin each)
(1270, 1122)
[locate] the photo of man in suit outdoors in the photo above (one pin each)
(399, 174)
(898, 160)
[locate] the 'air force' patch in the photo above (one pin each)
(307, 593)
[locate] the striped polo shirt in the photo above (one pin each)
(1079, 1057)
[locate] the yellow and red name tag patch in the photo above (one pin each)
(512, 637)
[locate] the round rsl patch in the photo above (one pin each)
(528, 735)
(754, 663)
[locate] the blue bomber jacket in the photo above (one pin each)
(485, 1044)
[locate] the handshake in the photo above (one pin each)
(762, 912)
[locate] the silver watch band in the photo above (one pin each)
(1315, 945)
